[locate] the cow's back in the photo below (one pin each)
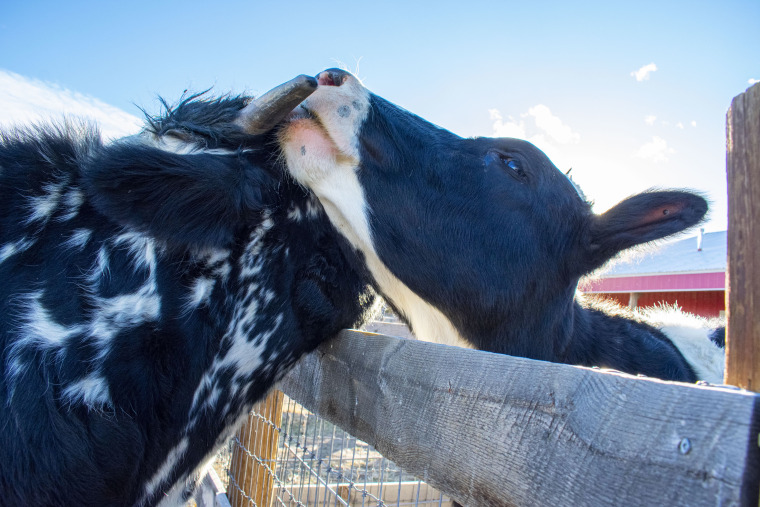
(128, 357)
(83, 334)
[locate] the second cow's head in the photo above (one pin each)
(462, 236)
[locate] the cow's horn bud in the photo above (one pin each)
(263, 113)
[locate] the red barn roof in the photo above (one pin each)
(691, 264)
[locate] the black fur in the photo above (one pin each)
(492, 234)
(159, 352)
(718, 337)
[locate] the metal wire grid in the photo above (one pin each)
(318, 464)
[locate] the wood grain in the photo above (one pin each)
(260, 438)
(490, 429)
(743, 275)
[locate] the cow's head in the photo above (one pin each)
(462, 236)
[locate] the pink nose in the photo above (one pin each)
(332, 77)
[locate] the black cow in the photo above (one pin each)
(151, 290)
(483, 241)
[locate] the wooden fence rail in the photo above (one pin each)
(491, 429)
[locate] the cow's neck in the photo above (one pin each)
(529, 325)
(350, 218)
(426, 321)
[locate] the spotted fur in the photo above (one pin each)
(152, 290)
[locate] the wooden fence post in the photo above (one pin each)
(743, 274)
(260, 438)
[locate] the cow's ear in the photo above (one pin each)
(196, 199)
(639, 219)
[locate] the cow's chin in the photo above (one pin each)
(309, 151)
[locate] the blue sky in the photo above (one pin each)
(561, 74)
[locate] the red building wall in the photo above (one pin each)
(707, 303)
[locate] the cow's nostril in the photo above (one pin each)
(332, 77)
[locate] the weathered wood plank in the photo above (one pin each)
(743, 276)
(490, 429)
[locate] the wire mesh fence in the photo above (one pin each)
(286, 456)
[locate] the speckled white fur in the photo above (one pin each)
(691, 335)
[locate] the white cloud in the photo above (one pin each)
(544, 126)
(509, 128)
(679, 125)
(753, 81)
(693, 123)
(656, 150)
(649, 120)
(552, 125)
(25, 100)
(643, 73)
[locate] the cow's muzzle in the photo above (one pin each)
(332, 77)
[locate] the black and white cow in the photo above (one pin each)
(482, 241)
(151, 290)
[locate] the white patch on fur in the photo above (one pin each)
(203, 386)
(10, 249)
(124, 311)
(101, 268)
(324, 157)
(142, 249)
(178, 146)
(252, 262)
(213, 397)
(313, 208)
(173, 498)
(223, 271)
(41, 207)
(72, 201)
(171, 144)
(92, 391)
(78, 239)
(128, 310)
(294, 214)
(691, 335)
(166, 469)
(41, 330)
(199, 293)
(245, 356)
(216, 260)
(217, 255)
(38, 331)
(14, 368)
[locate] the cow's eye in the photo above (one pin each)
(510, 165)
